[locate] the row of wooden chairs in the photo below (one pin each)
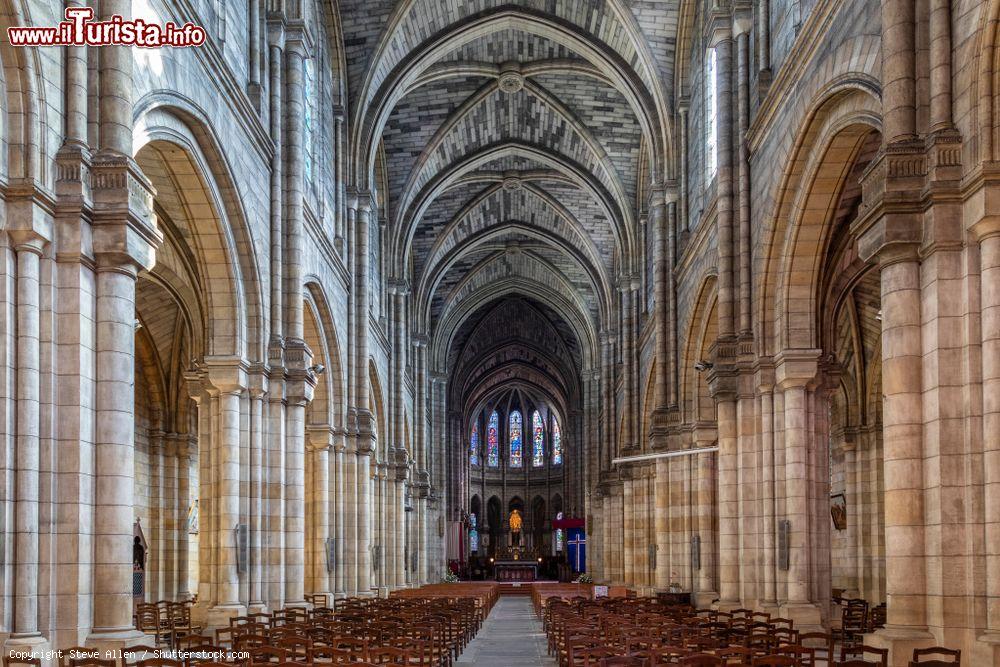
(642, 632)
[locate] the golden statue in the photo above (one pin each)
(515, 521)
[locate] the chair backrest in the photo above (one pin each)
(622, 661)
(868, 654)
(264, 654)
(78, 653)
(387, 655)
(936, 655)
(159, 662)
(775, 661)
(131, 655)
(701, 660)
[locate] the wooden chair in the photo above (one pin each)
(387, 655)
(775, 661)
(736, 655)
(78, 653)
(325, 655)
(247, 642)
(266, 655)
(803, 656)
(356, 646)
(860, 653)
(159, 662)
(15, 660)
(821, 643)
(594, 656)
(949, 657)
(701, 660)
(202, 654)
(92, 662)
(131, 655)
(623, 661)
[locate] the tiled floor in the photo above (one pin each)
(511, 637)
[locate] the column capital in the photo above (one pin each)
(225, 374)
(398, 286)
(298, 37)
(319, 438)
(124, 225)
(796, 367)
(985, 228)
(29, 212)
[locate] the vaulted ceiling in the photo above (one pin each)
(517, 142)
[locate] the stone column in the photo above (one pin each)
(364, 503)
(741, 27)
(662, 523)
(258, 393)
(365, 433)
(340, 489)
(320, 510)
(25, 635)
(658, 223)
(227, 386)
(400, 525)
(628, 531)
(723, 44)
(898, 70)
(169, 515)
(351, 513)
(769, 594)
(185, 446)
(125, 239)
(902, 417)
(728, 499)
(707, 484)
(987, 232)
(628, 325)
(275, 506)
(795, 372)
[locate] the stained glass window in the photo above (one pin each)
(473, 535)
(538, 440)
(557, 452)
(493, 441)
(560, 535)
(515, 440)
(308, 122)
(474, 444)
(711, 116)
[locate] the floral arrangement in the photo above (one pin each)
(450, 577)
(584, 579)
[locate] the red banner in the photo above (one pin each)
(568, 523)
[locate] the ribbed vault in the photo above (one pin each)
(511, 148)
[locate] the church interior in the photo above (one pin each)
(535, 332)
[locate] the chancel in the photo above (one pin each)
(434, 332)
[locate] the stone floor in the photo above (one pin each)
(511, 637)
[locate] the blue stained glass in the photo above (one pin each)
(538, 440)
(474, 445)
(557, 452)
(493, 441)
(515, 440)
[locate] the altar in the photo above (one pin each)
(513, 570)
(516, 563)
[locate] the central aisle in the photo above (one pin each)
(512, 636)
